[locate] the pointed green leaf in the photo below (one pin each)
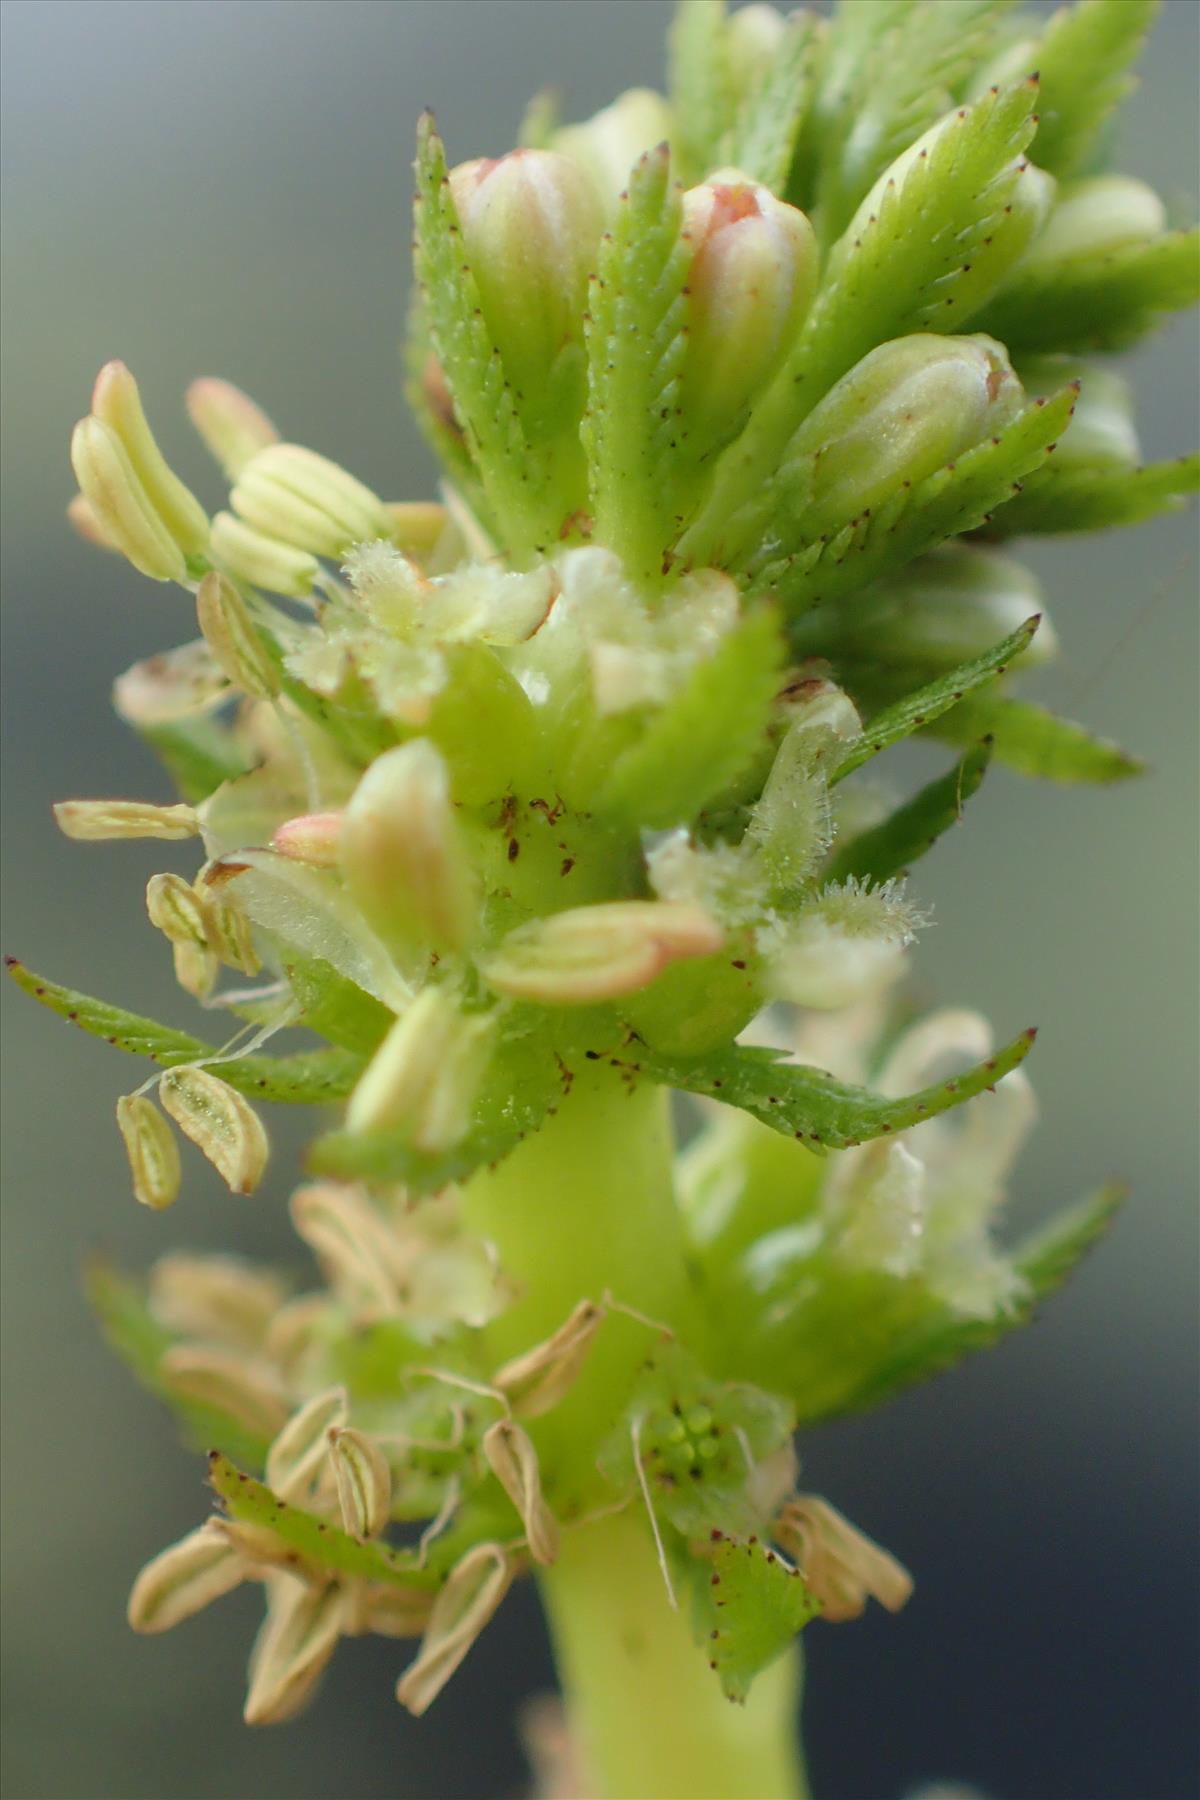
(892, 847)
(813, 1107)
(512, 478)
(698, 744)
(314, 1545)
(1033, 741)
(636, 344)
(928, 703)
(335, 1007)
(700, 85)
(749, 1604)
(1083, 59)
(1095, 499)
(941, 1339)
(310, 1078)
(135, 1335)
(1100, 302)
(771, 115)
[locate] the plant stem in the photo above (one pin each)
(644, 1708)
(584, 1207)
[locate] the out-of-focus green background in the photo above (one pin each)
(223, 189)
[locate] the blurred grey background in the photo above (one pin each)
(208, 188)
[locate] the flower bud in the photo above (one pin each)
(531, 223)
(117, 404)
(152, 1151)
(95, 821)
(753, 39)
(261, 560)
(1102, 434)
(753, 274)
(402, 853)
(229, 632)
(423, 1078)
(312, 838)
(599, 952)
(1096, 217)
(119, 505)
(608, 144)
(907, 409)
(945, 608)
(306, 501)
(233, 428)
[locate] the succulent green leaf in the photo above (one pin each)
(309, 1078)
(813, 1107)
(771, 115)
(749, 1604)
(512, 478)
(1097, 302)
(442, 433)
(703, 738)
(928, 703)
(316, 1545)
(700, 85)
(524, 1082)
(894, 845)
(1083, 59)
(198, 753)
(940, 1339)
(1095, 499)
(636, 344)
(1034, 741)
(135, 1335)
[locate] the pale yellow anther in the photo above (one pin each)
(220, 1123)
(152, 1151)
(81, 516)
(363, 1477)
(94, 821)
(261, 560)
(216, 1298)
(298, 1452)
(230, 1382)
(184, 1579)
(298, 1638)
(424, 1077)
(536, 1380)
(233, 428)
(229, 632)
(177, 910)
(599, 952)
(473, 1590)
(514, 1462)
(841, 1565)
(116, 401)
(305, 500)
(119, 504)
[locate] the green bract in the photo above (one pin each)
(529, 802)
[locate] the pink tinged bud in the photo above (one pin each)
(753, 275)
(152, 1151)
(233, 428)
(402, 852)
(291, 1651)
(599, 952)
(907, 409)
(186, 1578)
(305, 500)
(1096, 217)
(312, 838)
(119, 504)
(842, 1566)
(261, 560)
(117, 403)
(81, 516)
(531, 223)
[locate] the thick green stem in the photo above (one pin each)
(585, 1207)
(645, 1709)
